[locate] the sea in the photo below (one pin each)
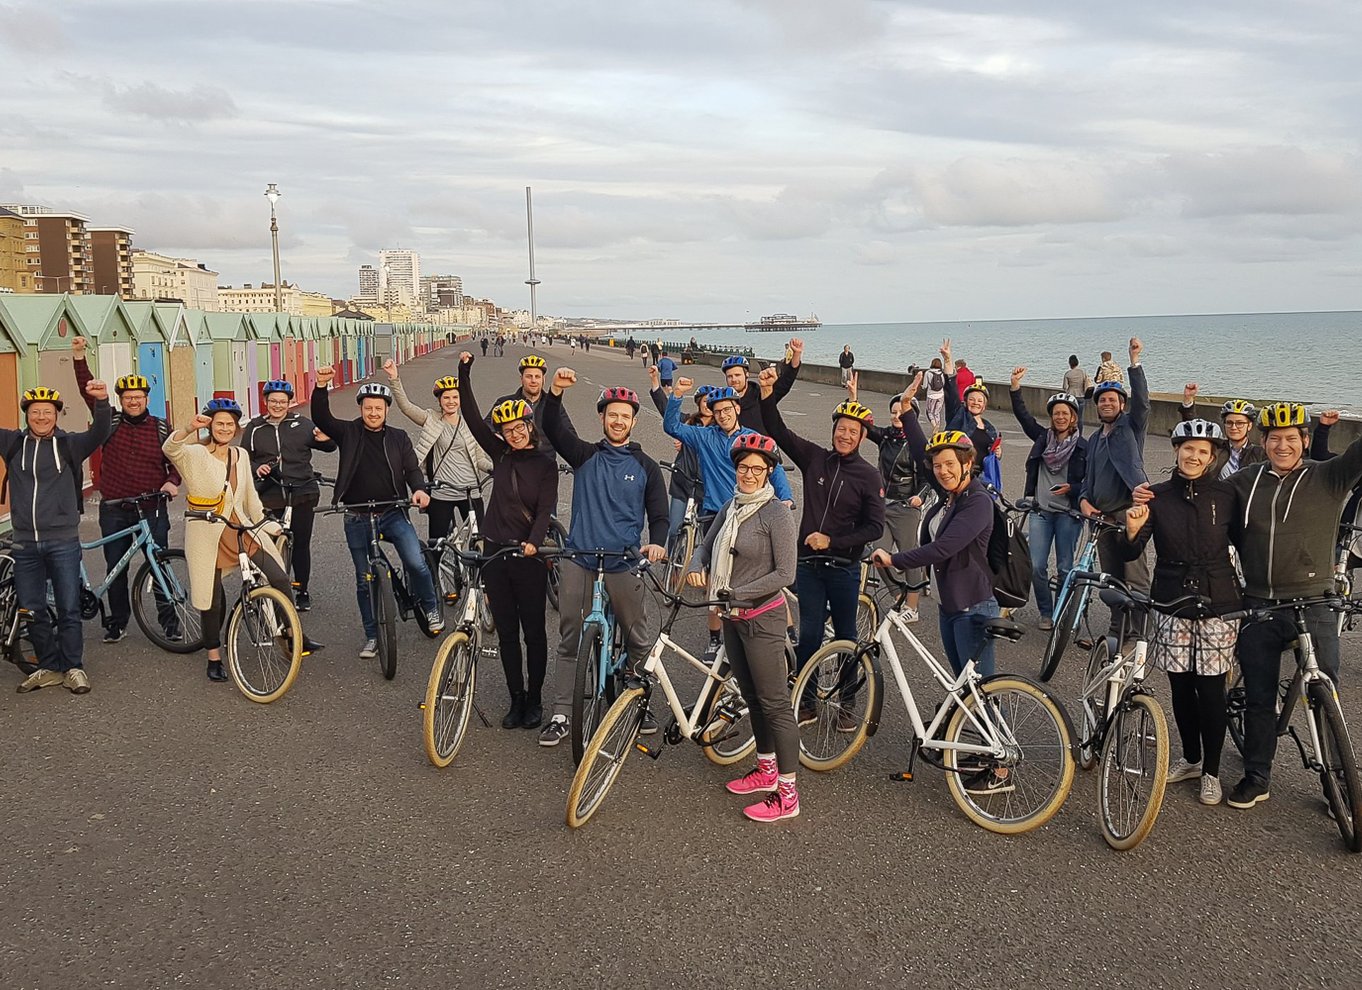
(1314, 358)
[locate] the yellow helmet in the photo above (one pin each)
(532, 361)
(135, 383)
(1239, 407)
(949, 440)
(40, 393)
(976, 386)
(510, 411)
(445, 384)
(1282, 415)
(854, 410)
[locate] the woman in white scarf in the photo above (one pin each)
(750, 551)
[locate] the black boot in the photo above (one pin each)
(534, 713)
(517, 712)
(215, 671)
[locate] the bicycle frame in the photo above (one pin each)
(140, 532)
(656, 668)
(1085, 561)
(602, 616)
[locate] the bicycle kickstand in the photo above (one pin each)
(482, 716)
(907, 774)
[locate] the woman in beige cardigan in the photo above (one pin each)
(218, 474)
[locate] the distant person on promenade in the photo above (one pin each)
(666, 370)
(935, 383)
(846, 361)
(532, 391)
(964, 378)
(1108, 371)
(643, 350)
(630, 346)
(967, 416)
(1076, 382)
(484, 345)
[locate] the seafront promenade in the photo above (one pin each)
(165, 832)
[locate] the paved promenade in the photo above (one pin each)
(162, 831)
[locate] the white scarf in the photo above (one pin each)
(742, 508)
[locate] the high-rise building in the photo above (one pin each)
(441, 292)
(62, 261)
(111, 261)
(14, 271)
(399, 276)
(368, 283)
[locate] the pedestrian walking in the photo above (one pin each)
(846, 361)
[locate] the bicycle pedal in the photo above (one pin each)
(647, 750)
(903, 776)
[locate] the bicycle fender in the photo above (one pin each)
(873, 724)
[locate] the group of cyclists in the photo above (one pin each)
(1248, 518)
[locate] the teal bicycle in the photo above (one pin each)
(1073, 597)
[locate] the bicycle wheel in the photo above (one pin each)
(157, 619)
(728, 734)
(867, 619)
(604, 757)
(1235, 705)
(679, 550)
(833, 697)
(1094, 702)
(1066, 627)
(264, 645)
(587, 706)
(1039, 761)
(556, 539)
(449, 699)
(486, 621)
(1134, 772)
(1338, 764)
(385, 614)
(448, 571)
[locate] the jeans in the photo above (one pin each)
(962, 634)
(625, 590)
(1063, 531)
(35, 564)
(397, 530)
(824, 588)
(113, 518)
(1259, 653)
(1133, 572)
(676, 515)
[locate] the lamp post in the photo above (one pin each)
(272, 194)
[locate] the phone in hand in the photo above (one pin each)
(1056, 489)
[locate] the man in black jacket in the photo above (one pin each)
(737, 376)
(377, 464)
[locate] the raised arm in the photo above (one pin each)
(558, 425)
(1028, 422)
(86, 443)
(482, 433)
(321, 404)
(799, 450)
(409, 409)
(1343, 472)
(1139, 391)
(671, 419)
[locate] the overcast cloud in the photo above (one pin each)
(871, 161)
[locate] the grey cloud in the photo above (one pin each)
(31, 27)
(189, 106)
(1012, 193)
(1265, 180)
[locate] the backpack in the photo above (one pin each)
(936, 381)
(1009, 557)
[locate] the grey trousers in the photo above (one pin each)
(756, 652)
(900, 528)
(574, 602)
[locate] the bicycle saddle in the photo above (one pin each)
(1114, 598)
(1003, 629)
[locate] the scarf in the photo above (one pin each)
(742, 508)
(1057, 451)
(1232, 465)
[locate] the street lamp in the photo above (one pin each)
(272, 194)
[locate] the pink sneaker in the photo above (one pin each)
(774, 808)
(759, 779)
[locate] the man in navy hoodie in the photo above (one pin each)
(617, 490)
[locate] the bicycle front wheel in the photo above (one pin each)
(604, 757)
(587, 706)
(385, 615)
(1338, 764)
(1094, 701)
(867, 619)
(1023, 788)
(679, 551)
(1134, 772)
(264, 645)
(833, 697)
(449, 699)
(162, 607)
(555, 540)
(1066, 628)
(1236, 703)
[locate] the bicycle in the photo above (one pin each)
(163, 577)
(1328, 751)
(449, 699)
(1071, 602)
(555, 539)
(263, 639)
(1343, 573)
(15, 643)
(681, 545)
(1004, 742)
(867, 608)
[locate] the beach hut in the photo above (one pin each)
(230, 334)
(150, 336)
(203, 356)
(182, 401)
(11, 345)
(264, 359)
(105, 324)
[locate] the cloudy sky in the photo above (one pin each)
(870, 161)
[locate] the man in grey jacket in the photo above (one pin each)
(46, 485)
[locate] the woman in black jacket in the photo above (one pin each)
(1054, 476)
(1189, 518)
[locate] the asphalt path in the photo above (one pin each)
(162, 831)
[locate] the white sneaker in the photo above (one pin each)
(910, 615)
(1182, 770)
(1210, 790)
(369, 650)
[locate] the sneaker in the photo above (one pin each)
(910, 615)
(369, 650)
(113, 634)
(1046, 623)
(711, 651)
(1246, 794)
(847, 721)
(174, 634)
(555, 732)
(754, 781)
(776, 807)
(808, 714)
(993, 781)
(648, 726)
(1210, 789)
(77, 681)
(1184, 770)
(435, 622)
(302, 601)
(41, 679)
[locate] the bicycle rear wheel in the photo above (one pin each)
(1338, 764)
(162, 606)
(833, 697)
(385, 615)
(1066, 628)
(588, 707)
(867, 619)
(1134, 772)
(1094, 702)
(1038, 764)
(264, 645)
(604, 757)
(728, 734)
(555, 540)
(449, 699)
(21, 651)
(679, 550)
(1236, 704)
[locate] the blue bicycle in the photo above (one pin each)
(1073, 597)
(160, 590)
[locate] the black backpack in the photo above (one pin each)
(1009, 557)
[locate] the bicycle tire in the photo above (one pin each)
(486, 620)
(146, 611)
(1066, 626)
(385, 615)
(1019, 702)
(604, 757)
(1094, 705)
(679, 550)
(21, 651)
(448, 703)
(867, 618)
(588, 708)
(1236, 704)
(555, 539)
(1338, 765)
(731, 741)
(266, 671)
(839, 727)
(1134, 772)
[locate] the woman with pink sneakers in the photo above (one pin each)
(750, 553)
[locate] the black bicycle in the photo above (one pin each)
(15, 645)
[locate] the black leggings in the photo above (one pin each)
(517, 588)
(217, 612)
(304, 516)
(756, 652)
(1199, 710)
(441, 515)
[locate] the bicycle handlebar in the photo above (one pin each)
(396, 503)
(1261, 613)
(1099, 579)
(208, 515)
(136, 499)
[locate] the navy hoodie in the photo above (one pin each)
(44, 488)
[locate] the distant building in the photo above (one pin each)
(111, 260)
(399, 276)
(369, 286)
(15, 275)
(252, 299)
(440, 292)
(62, 260)
(161, 277)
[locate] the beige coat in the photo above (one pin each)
(203, 475)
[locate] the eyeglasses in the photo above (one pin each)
(752, 470)
(515, 430)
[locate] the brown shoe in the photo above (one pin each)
(40, 679)
(76, 681)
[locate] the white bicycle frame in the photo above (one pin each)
(655, 667)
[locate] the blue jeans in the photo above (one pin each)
(675, 516)
(397, 530)
(823, 588)
(35, 564)
(962, 634)
(1063, 531)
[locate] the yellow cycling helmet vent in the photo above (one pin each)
(510, 411)
(949, 440)
(132, 383)
(977, 386)
(40, 393)
(446, 384)
(1239, 407)
(854, 410)
(1282, 415)
(532, 361)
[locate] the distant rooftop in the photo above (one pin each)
(28, 210)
